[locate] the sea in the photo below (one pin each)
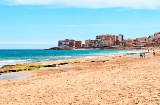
(20, 56)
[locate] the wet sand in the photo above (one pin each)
(10, 76)
(57, 68)
(115, 80)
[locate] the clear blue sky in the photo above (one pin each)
(39, 24)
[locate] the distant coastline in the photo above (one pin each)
(105, 48)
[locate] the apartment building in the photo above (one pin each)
(67, 43)
(94, 43)
(111, 40)
(78, 44)
(120, 37)
(128, 43)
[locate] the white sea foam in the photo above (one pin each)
(67, 56)
(90, 56)
(5, 61)
(11, 62)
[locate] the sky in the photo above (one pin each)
(39, 24)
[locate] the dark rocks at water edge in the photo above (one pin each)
(54, 48)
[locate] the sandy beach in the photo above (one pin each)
(115, 80)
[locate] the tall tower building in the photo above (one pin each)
(121, 37)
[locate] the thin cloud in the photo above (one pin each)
(138, 4)
(110, 25)
(35, 43)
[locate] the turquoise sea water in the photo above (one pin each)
(11, 57)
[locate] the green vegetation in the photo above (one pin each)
(20, 67)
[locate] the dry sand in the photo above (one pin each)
(117, 81)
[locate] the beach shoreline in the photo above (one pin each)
(118, 80)
(55, 63)
(61, 64)
(13, 57)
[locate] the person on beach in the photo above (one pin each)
(154, 53)
(141, 56)
(144, 55)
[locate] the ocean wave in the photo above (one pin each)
(5, 61)
(11, 62)
(67, 56)
(90, 56)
